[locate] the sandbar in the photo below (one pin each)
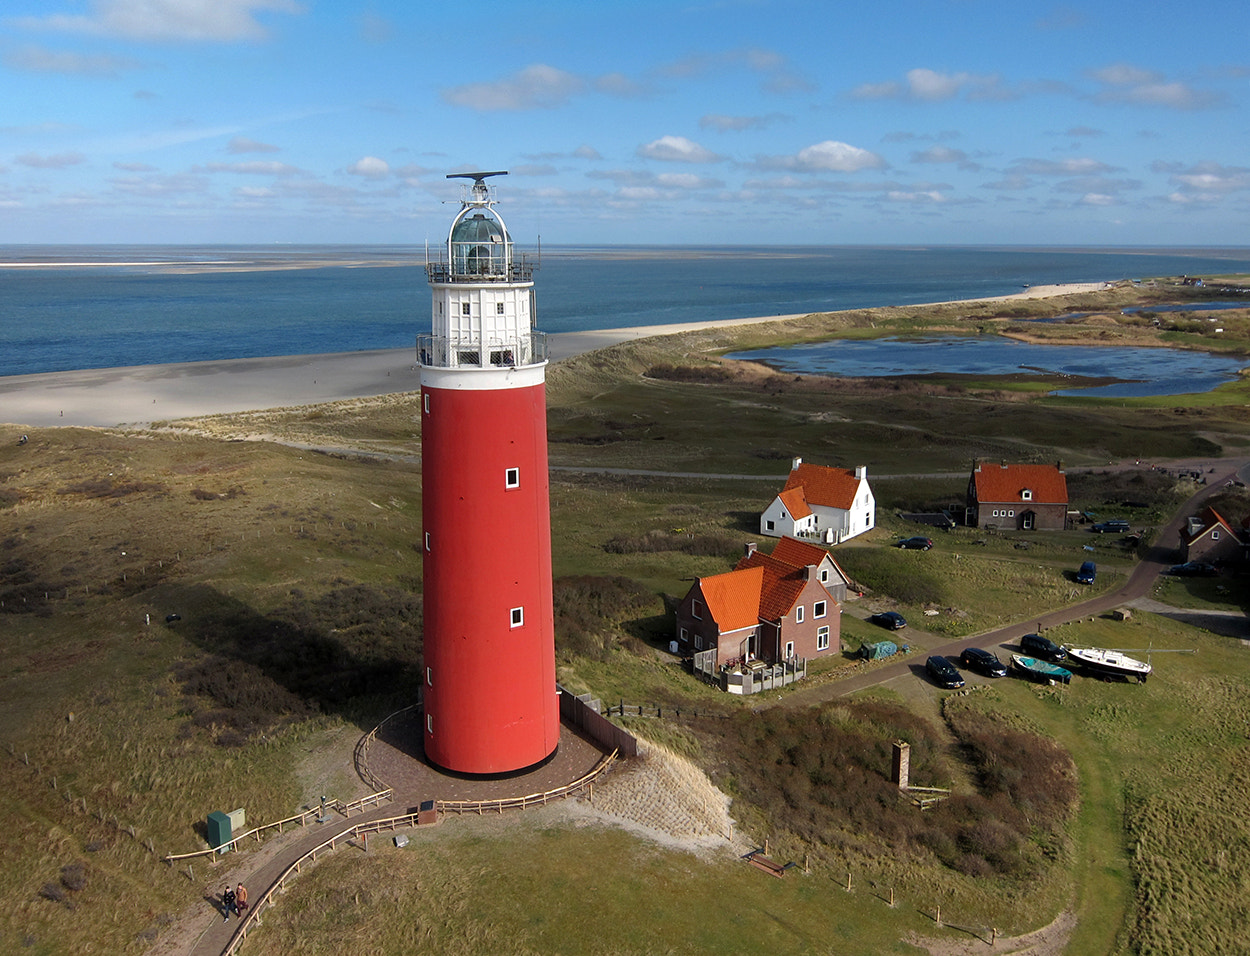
(140, 395)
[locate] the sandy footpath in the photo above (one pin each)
(142, 394)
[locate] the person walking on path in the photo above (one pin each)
(240, 900)
(227, 903)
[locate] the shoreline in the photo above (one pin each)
(141, 394)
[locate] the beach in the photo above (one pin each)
(139, 395)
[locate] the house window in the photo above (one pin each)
(698, 641)
(683, 635)
(427, 541)
(789, 649)
(696, 610)
(1011, 513)
(822, 638)
(818, 609)
(770, 525)
(798, 614)
(429, 677)
(518, 616)
(498, 308)
(824, 575)
(1026, 495)
(429, 723)
(512, 478)
(1215, 535)
(464, 308)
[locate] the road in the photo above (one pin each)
(1137, 589)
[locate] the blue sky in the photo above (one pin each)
(743, 122)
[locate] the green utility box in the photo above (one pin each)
(219, 830)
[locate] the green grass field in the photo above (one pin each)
(297, 588)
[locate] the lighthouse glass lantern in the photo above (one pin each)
(490, 697)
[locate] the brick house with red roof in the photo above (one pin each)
(1210, 538)
(1018, 497)
(770, 608)
(821, 503)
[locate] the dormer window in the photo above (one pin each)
(1026, 495)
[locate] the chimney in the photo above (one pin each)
(1059, 466)
(902, 764)
(1004, 464)
(861, 472)
(749, 549)
(794, 463)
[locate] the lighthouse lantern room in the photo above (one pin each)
(490, 697)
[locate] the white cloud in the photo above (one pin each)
(370, 167)
(924, 197)
(587, 152)
(945, 154)
(535, 87)
(36, 59)
(830, 156)
(253, 168)
(242, 144)
(1061, 167)
(54, 161)
(677, 149)
(196, 20)
(1098, 199)
(1210, 178)
(738, 124)
(930, 86)
(1134, 86)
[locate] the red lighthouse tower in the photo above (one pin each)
(491, 702)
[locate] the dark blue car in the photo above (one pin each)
(943, 672)
(1087, 573)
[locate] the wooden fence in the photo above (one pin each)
(346, 809)
(585, 718)
(403, 821)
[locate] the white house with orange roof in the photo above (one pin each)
(822, 504)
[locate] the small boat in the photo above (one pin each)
(1040, 670)
(1107, 663)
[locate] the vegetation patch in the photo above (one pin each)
(589, 610)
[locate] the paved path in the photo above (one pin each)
(1135, 590)
(396, 757)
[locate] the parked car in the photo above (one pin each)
(917, 543)
(1037, 646)
(1194, 569)
(890, 620)
(983, 661)
(1086, 573)
(1114, 526)
(943, 672)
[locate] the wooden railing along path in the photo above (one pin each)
(402, 821)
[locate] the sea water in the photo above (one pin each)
(101, 307)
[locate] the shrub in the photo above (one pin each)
(588, 612)
(74, 876)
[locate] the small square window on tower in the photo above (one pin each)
(427, 541)
(464, 308)
(518, 616)
(429, 677)
(429, 723)
(498, 308)
(512, 478)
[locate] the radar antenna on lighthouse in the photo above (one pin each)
(490, 697)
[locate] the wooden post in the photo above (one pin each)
(939, 914)
(891, 896)
(766, 846)
(848, 881)
(993, 935)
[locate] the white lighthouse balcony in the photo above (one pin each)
(485, 352)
